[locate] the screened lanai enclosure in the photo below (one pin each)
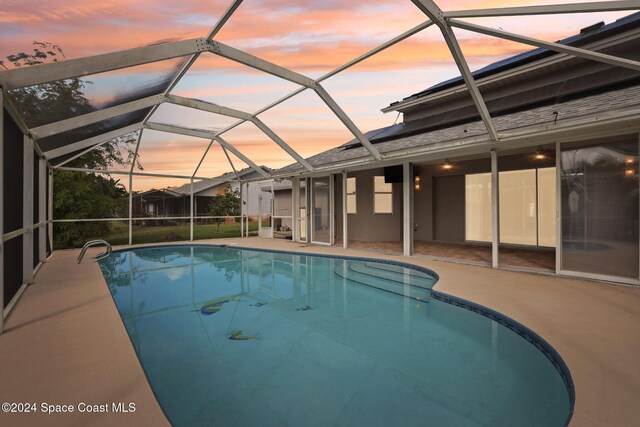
(65, 118)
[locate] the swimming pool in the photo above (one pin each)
(233, 336)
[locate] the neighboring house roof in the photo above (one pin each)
(615, 102)
(277, 185)
(202, 185)
(166, 191)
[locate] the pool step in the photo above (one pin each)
(394, 273)
(386, 281)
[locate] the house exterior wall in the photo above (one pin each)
(282, 206)
(365, 225)
(253, 191)
(282, 203)
(218, 189)
(251, 208)
(423, 205)
(449, 208)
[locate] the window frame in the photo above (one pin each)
(354, 194)
(375, 193)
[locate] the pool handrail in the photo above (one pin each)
(98, 257)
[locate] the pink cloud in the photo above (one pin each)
(309, 37)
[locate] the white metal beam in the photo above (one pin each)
(1, 211)
(344, 118)
(407, 209)
(208, 106)
(345, 214)
(241, 57)
(180, 130)
(349, 64)
(225, 145)
(27, 211)
(199, 133)
(557, 47)
(275, 138)
(130, 209)
(191, 210)
(70, 68)
(50, 211)
(204, 156)
(137, 149)
(600, 45)
(90, 142)
(558, 210)
(295, 214)
(241, 188)
(495, 210)
(10, 108)
(95, 117)
(235, 172)
(602, 6)
(42, 209)
(429, 8)
(223, 19)
(157, 175)
(377, 49)
(185, 68)
(93, 147)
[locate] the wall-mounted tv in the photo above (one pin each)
(393, 174)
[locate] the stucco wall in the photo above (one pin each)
(423, 204)
(282, 203)
(218, 189)
(365, 225)
(251, 208)
(449, 208)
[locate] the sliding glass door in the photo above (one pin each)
(321, 194)
(302, 210)
(599, 203)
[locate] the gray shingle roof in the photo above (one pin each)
(604, 102)
(202, 185)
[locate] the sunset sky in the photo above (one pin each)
(310, 37)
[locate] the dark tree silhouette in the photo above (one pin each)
(76, 195)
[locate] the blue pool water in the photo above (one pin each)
(325, 341)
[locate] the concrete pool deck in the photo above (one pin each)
(65, 342)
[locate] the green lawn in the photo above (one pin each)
(119, 234)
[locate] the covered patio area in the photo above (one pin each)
(539, 260)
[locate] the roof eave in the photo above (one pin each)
(608, 123)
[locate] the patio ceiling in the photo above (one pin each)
(67, 139)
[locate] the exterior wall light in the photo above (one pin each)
(540, 154)
(629, 170)
(416, 182)
(447, 165)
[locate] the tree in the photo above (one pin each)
(76, 195)
(225, 204)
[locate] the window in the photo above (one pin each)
(547, 207)
(382, 196)
(527, 207)
(351, 196)
(518, 220)
(478, 207)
